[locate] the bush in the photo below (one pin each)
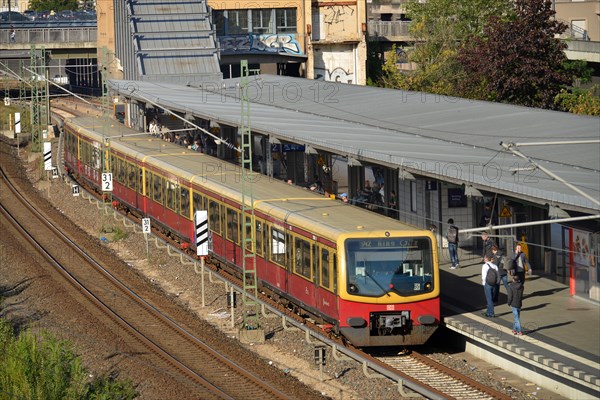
(47, 368)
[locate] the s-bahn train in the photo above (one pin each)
(370, 278)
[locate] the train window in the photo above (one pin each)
(171, 190)
(198, 202)
(335, 269)
(113, 161)
(233, 226)
(248, 228)
(259, 238)
(121, 171)
(214, 212)
(378, 266)
(149, 177)
(277, 246)
(302, 264)
(315, 263)
(96, 158)
(140, 184)
(133, 172)
(185, 202)
(325, 281)
(157, 188)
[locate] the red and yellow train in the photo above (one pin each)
(374, 279)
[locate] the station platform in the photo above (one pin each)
(560, 350)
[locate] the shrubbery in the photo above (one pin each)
(44, 367)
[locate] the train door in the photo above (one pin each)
(232, 236)
(325, 280)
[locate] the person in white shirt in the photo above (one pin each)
(488, 286)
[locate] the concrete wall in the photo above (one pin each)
(582, 13)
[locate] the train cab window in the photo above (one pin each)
(184, 195)
(171, 191)
(379, 266)
(233, 225)
(157, 188)
(214, 212)
(325, 269)
(277, 252)
(302, 264)
(149, 178)
(132, 171)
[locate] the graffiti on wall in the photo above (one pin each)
(339, 74)
(337, 14)
(285, 43)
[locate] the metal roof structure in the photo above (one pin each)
(448, 139)
(174, 41)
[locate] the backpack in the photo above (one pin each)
(492, 277)
(452, 234)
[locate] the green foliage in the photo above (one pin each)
(56, 5)
(517, 65)
(441, 28)
(119, 234)
(578, 102)
(579, 70)
(46, 368)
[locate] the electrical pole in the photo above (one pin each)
(251, 330)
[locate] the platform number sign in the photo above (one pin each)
(146, 227)
(75, 189)
(107, 182)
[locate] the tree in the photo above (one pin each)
(440, 28)
(518, 60)
(578, 101)
(56, 5)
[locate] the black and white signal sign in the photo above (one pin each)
(201, 221)
(107, 182)
(146, 227)
(75, 189)
(47, 156)
(17, 123)
(54, 172)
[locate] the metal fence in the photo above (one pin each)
(388, 28)
(49, 35)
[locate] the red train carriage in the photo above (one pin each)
(372, 278)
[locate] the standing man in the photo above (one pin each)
(498, 259)
(452, 236)
(488, 243)
(489, 279)
(515, 301)
(13, 35)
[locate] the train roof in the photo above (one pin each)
(294, 204)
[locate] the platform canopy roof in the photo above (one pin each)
(448, 139)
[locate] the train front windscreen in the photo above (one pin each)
(376, 267)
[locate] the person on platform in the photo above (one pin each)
(499, 261)
(515, 301)
(452, 237)
(488, 243)
(489, 278)
(520, 263)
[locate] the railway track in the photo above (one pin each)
(439, 381)
(162, 341)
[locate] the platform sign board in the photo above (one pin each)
(107, 182)
(47, 156)
(75, 190)
(146, 227)
(201, 223)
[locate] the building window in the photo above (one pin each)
(236, 22)
(219, 21)
(413, 196)
(286, 20)
(262, 21)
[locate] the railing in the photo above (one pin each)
(388, 29)
(49, 35)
